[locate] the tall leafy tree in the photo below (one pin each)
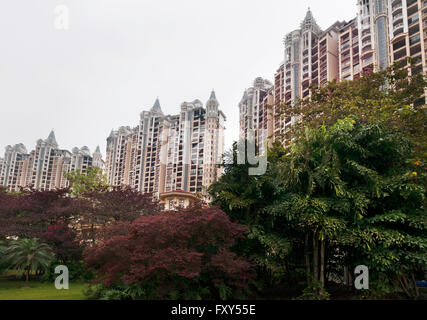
(28, 213)
(63, 240)
(243, 197)
(349, 188)
(341, 195)
(93, 180)
(394, 96)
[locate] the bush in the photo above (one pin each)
(173, 255)
(314, 292)
(77, 272)
(3, 262)
(63, 241)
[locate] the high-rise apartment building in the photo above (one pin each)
(383, 32)
(44, 167)
(256, 114)
(167, 153)
(407, 31)
(311, 57)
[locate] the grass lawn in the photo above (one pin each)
(11, 289)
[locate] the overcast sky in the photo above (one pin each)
(118, 55)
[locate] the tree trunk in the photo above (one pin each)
(322, 264)
(92, 231)
(315, 259)
(27, 275)
(307, 259)
(350, 278)
(345, 280)
(402, 283)
(417, 292)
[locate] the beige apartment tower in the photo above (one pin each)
(44, 167)
(383, 32)
(167, 153)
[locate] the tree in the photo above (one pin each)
(29, 255)
(117, 204)
(340, 195)
(93, 180)
(394, 96)
(243, 197)
(184, 254)
(349, 186)
(3, 264)
(29, 212)
(63, 241)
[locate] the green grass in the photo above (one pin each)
(11, 289)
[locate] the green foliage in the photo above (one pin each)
(3, 265)
(346, 189)
(225, 292)
(77, 272)
(29, 255)
(314, 292)
(92, 180)
(393, 96)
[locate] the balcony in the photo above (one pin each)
(345, 71)
(396, 7)
(366, 43)
(345, 46)
(397, 17)
(367, 60)
(367, 49)
(345, 64)
(397, 27)
(366, 26)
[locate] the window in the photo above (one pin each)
(382, 42)
(413, 19)
(414, 39)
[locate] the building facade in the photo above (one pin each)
(167, 153)
(256, 113)
(383, 32)
(44, 167)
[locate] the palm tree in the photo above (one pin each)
(2, 258)
(29, 255)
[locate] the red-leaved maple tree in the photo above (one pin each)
(63, 241)
(172, 251)
(28, 213)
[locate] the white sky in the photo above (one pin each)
(119, 55)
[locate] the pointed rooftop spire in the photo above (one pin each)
(309, 22)
(51, 138)
(309, 15)
(213, 96)
(156, 107)
(97, 150)
(245, 94)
